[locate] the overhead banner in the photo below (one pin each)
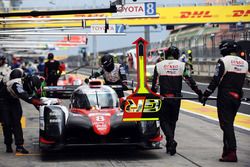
(97, 28)
(167, 15)
(136, 9)
(194, 15)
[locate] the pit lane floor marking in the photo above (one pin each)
(30, 154)
(192, 93)
(210, 112)
(23, 122)
(188, 159)
(206, 84)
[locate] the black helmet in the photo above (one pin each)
(172, 52)
(16, 73)
(2, 60)
(107, 62)
(32, 83)
(50, 56)
(228, 46)
(41, 59)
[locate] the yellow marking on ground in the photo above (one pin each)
(241, 120)
(23, 122)
(20, 154)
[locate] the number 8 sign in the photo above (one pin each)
(150, 8)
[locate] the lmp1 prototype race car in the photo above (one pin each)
(94, 117)
(65, 86)
(70, 79)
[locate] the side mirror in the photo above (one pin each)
(86, 80)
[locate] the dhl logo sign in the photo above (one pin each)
(183, 14)
(207, 14)
(168, 15)
(241, 13)
(195, 14)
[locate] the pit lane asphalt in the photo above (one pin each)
(199, 144)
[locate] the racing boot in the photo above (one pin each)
(21, 149)
(9, 148)
(225, 152)
(172, 148)
(229, 157)
(167, 147)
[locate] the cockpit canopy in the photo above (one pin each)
(87, 98)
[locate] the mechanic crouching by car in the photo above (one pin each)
(170, 73)
(229, 77)
(113, 74)
(19, 86)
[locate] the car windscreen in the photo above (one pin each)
(103, 99)
(92, 99)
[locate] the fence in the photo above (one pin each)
(206, 45)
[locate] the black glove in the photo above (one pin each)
(124, 87)
(200, 94)
(205, 96)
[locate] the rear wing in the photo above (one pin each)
(61, 92)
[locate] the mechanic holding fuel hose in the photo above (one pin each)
(170, 73)
(113, 73)
(229, 77)
(18, 86)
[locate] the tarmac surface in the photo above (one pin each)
(199, 144)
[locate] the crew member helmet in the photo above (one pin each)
(172, 52)
(41, 59)
(228, 46)
(50, 56)
(16, 73)
(107, 62)
(32, 83)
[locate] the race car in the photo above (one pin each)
(65, 86)
(94, 117)
(70, 79)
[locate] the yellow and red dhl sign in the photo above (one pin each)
(168, 15)
(194, 15)
(207, 14)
